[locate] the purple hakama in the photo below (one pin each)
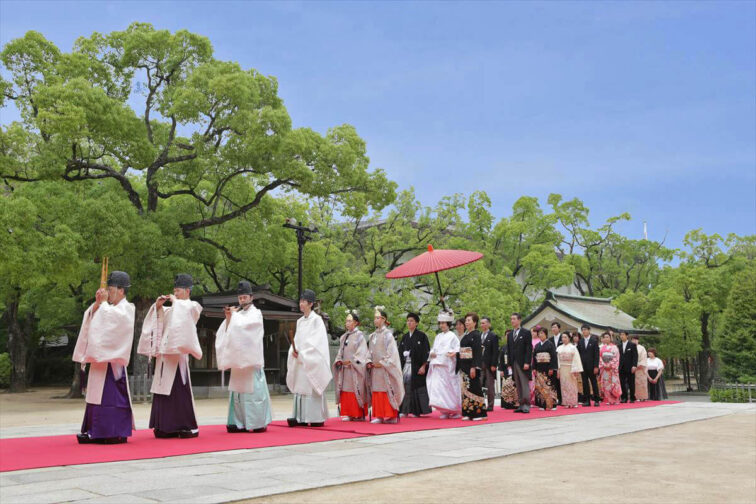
(111, 418)
(174, 412)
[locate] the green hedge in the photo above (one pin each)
(5, 370)
(729, 395)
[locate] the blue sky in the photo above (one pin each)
(644, 107)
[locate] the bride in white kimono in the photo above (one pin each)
(444, 387)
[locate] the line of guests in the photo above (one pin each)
(569, 369)
(457, 375)
(377, 377)
(374, 376)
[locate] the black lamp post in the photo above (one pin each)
(303, 236)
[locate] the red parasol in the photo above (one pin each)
(434, 261)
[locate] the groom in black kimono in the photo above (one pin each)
(413, 353)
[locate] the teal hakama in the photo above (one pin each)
(249, 411)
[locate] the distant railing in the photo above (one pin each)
(733, 392)
(749, 388)
(139, 386)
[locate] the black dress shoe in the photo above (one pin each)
(317, 424)
(184, 434)
(632, 401)
(623, 401)
(164, 435)
(526, 409)
(586, 404)
(292, 422)
(596, 403)
(233, 429)
(261, 429)
(518, 410)
(84, 439)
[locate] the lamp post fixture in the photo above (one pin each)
(303, 236)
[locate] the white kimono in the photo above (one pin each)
(239, 347)
(105, 338)
(308, 375)
(170, 335)
(444, 387)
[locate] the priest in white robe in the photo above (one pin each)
(239, 347)
(105, 341)
(169, 334)
(444, 388)
(309, 366)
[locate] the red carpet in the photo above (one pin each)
(49, 451)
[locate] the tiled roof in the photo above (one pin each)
(596, 312)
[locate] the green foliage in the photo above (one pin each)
(728, 395)
(5, 370)
(736, 345)
(139, 145)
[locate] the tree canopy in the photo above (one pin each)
(140, 146)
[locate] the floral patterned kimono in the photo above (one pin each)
(609, 374)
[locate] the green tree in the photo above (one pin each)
(606, 263)
(736, 342)
(191, 143)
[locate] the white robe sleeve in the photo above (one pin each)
(107, 335)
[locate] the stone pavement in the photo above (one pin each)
(241, 474)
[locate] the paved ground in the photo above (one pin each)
(244, 474)
(666, 463)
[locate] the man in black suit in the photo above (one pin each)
(588, 348)
(627, 366)
(520, 354)
(489, 340)
(556, 338)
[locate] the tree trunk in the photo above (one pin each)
(704, 356)
(688, 386)
(75, 391)
(18, 347)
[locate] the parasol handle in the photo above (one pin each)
(440, 291)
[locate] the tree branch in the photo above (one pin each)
(214, 221)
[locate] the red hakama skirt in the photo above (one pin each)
(350, 407)
(382, 407)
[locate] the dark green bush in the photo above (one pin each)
(5, 370)
(729, 395)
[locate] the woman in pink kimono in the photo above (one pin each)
(609, 373)
(570, 367)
